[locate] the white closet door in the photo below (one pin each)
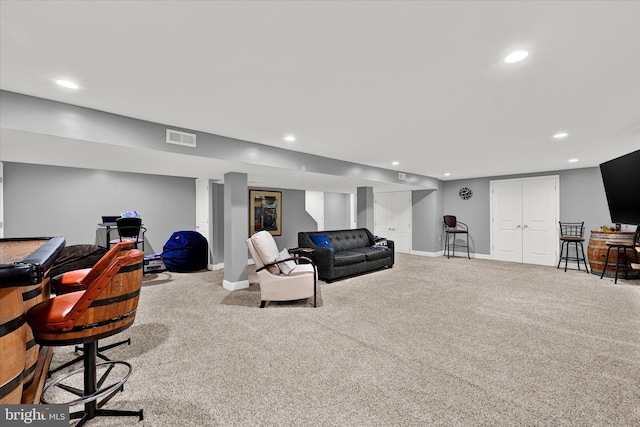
(392, 213)
(506, 202)
(539, 235)
(203, 210)
(524, 215)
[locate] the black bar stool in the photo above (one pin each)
(572, 232)
(454, 227)
(622, 259)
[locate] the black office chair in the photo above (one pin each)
(572, 232)
(454, 227)
(622, 259)
(130, 229)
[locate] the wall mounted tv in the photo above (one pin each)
(621, 178)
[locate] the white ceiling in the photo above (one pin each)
(419, 82)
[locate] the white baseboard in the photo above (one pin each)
(234, 286)
(427, 254)
(218, 266)
(459, 255)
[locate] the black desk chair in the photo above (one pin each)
(622, 259)
(454, 227)
(572, 232)
(130, 229)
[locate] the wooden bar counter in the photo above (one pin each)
(597, 252)
(24, 282)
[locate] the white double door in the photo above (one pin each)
(524, 218)
(392, 218)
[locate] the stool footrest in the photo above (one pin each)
(98, 394)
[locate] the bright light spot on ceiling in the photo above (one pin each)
(560, 135)
(67, 83)
(516, 56)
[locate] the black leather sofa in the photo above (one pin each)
(351, 252)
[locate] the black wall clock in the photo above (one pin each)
(465, 193)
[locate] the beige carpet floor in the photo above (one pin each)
(431, 342)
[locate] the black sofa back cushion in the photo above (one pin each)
(344, 240)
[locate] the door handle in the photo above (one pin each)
(526, 226)
(518, 226)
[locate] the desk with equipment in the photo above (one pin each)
(107, 225)
(24, 282)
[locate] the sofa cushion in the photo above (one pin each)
(346, 240)
(373, 254)
(322, 240)
(348, 257)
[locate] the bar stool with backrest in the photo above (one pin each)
(622, 259)
(78, 280)
(572, 232)
(454, 227)
(107, 307)
(130, 229)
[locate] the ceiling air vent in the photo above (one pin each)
(402, 176)
(181, 138)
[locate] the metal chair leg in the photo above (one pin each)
(468, 256)
(586, 267)
(606, 262)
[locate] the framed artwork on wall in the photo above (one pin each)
(265, 212)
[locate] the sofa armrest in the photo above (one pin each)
(390, 244)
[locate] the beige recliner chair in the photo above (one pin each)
(280, 275)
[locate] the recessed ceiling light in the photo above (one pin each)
(290, 138)
(395, 163)
(573, 160)
(67, 83)
(560, 135)
(447, 174)
(516, 56)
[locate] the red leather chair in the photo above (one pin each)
(107, 307)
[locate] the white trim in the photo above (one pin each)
(442, 253)
(234, 286)
(218, 266)
(427, 254)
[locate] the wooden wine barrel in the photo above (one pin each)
(12, 345)
(32, 295)
(112, 311)
(597, 252)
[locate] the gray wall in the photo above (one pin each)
(426, 211)
(582, 198)
(294, 217)
(50, 200)
(59, 201)
(336, 211)
(217, 219)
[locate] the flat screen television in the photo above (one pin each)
(621, 178)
